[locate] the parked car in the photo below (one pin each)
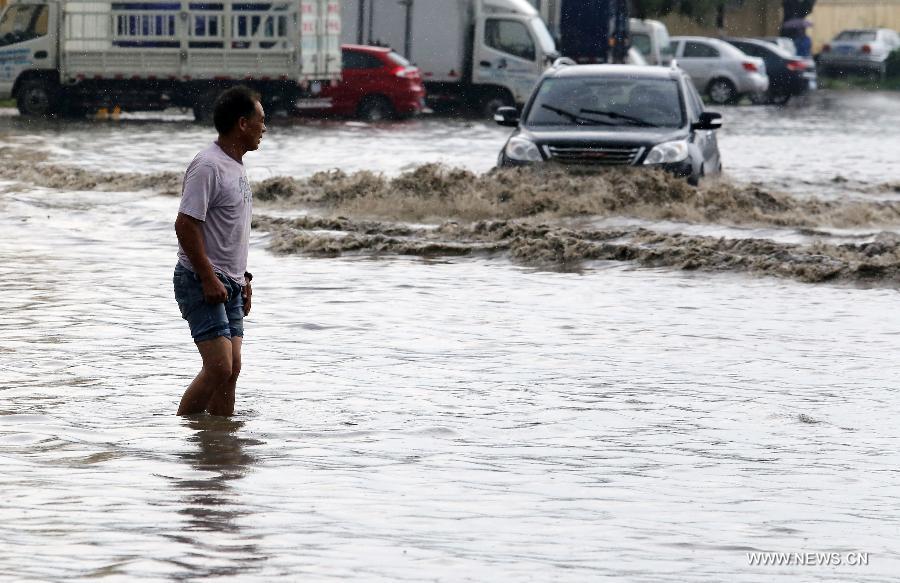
(785, 43)
(614, 115)
(859, 50)
(651, 38)
(788, 75)
(719, 69)
(377, 84)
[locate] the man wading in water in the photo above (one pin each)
(212, 286)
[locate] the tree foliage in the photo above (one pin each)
(711, 12)
(706, 12)
(797, 8)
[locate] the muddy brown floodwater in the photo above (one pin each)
(455, 374)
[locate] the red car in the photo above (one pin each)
(377, 84)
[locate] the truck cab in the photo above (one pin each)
(28, 49)
(512, 49)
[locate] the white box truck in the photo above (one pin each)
(477, 53)
(67, 57)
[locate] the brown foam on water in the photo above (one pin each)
(29, 166)
(436, 193)
(539, 217)
(544, 245)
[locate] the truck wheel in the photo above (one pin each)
(36, 98)
(721, 91)
(375, 108)
(204, 105)
(491, 103)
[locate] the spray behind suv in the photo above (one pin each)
(614, 115)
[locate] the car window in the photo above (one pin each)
(357, 60)
(673, 47)
(398, 59)
(857, 35)
(641, 42)
(23, 22)
(751, 49)
(509, 36)
(698, 50)
(694, 101)
(582, 101)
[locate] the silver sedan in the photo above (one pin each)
(859, 50)
(718, 69)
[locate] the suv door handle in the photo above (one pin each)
(40, 55)
(485, 63)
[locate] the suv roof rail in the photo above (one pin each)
(563, 62)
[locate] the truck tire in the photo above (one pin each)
(375, 108)
(721, 91)
(36, 98)
(204, 105)
(492, 102)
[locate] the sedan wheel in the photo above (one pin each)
(721, 91)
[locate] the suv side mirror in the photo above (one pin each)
(709, 120)
(507, 116)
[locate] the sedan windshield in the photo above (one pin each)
(607, 102)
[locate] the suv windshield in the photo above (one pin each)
(618, 101)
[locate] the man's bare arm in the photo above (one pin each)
(190, 235)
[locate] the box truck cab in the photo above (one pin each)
(27, 44)
(68, 57)
(481, 53)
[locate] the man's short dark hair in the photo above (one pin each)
(232, 105)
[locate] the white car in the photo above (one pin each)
(718, 69)
(861, 49)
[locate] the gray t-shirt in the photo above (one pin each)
(217, 192)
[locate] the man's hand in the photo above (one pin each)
(214, 291)
(247, 295)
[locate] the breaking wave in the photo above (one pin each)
(546, 217)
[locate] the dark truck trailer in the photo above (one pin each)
(588, 31)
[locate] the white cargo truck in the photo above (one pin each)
(67, 57)
(477, 53)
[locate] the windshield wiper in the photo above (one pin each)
(574, 117)
(612, 114)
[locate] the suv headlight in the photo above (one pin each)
(668, 153)
(522, 150)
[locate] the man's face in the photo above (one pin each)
(253, 128)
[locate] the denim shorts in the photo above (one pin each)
(208, 321)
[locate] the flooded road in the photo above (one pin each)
(448, 418)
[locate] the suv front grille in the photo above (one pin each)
(594, 156)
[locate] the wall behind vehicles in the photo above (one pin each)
(832, 16)
(752, 18)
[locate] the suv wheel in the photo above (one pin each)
(375, 108)
(721, 91)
